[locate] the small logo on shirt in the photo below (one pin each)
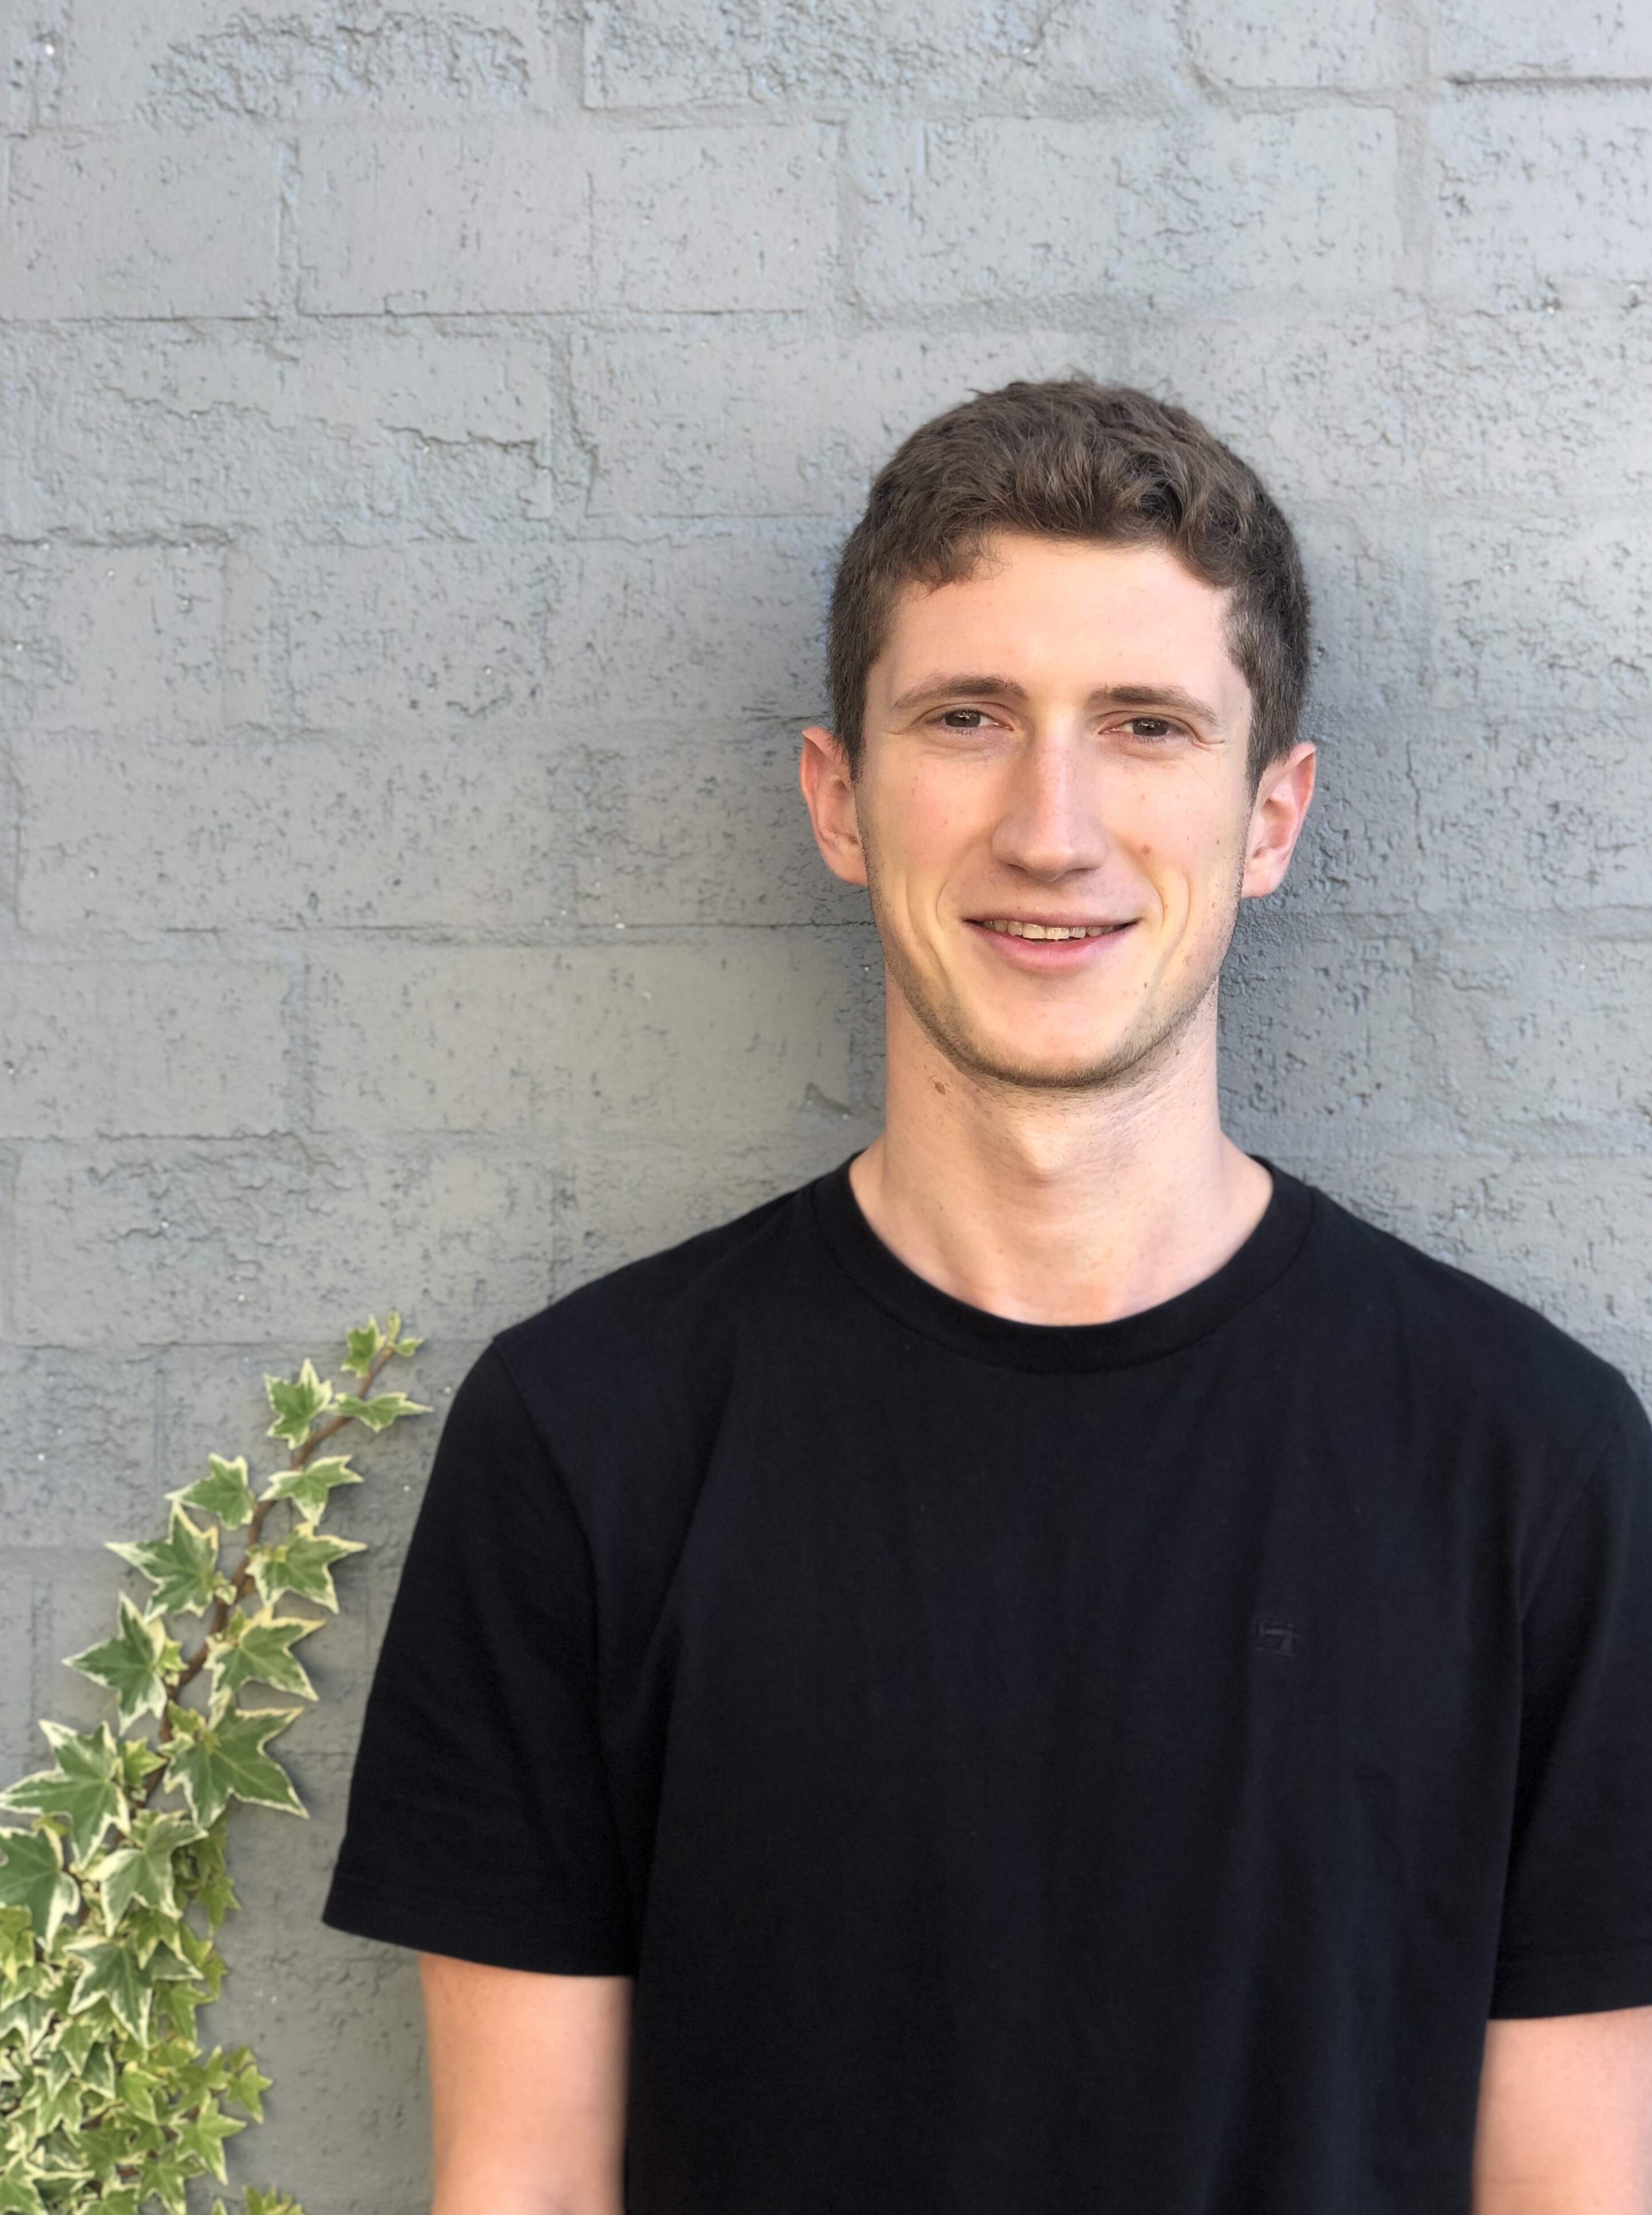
(1270, 1635)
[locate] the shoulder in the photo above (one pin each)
(1473, 1347)
(657, 1330)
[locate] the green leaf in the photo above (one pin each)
(134, 1663)
(32, 1876)
(111, 1970)
(257, 1648)
(309, 1487)
(166, 2178)
(228, 1760)
(181, 1566)
(19, 2197)
(62, 2108)
(85, 1787)
(247, 2084)
(138, 1762)
(209, 1882)
(142, 1870)
(138, 2088)
(223, 1493)
(363, 1348)
(16, 1940)
(302, 1564)
(204, 2136)
(381, 1410)
(297, 1403)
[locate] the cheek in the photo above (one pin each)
(939, 825)
(1193, 877)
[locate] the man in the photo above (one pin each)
(1053, 1668)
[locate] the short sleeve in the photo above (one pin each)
(479, 1823)
(1576, 1931)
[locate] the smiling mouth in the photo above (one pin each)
(1010, 927)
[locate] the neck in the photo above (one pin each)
(1058, 1207)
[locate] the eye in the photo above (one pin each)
(963, 719)
(1157, 727)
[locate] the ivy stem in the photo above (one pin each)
(222, 1608)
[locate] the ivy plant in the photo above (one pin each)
(113, 1892)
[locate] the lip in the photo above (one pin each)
(1045, 955)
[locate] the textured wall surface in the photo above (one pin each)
(426, 434)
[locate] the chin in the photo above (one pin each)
(1081, 1065)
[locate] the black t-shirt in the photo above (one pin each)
(1027, 1767)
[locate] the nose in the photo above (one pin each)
(1050, 825)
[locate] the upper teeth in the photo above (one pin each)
(1049, 929)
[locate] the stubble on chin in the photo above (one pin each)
(1129, 1063)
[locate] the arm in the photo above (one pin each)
(1565, 2119)
(527, 2080)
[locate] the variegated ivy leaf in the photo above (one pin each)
(139, 2086)
(224, 1492)
(134, 1663)
(297, 1402)
(74, 2043)
(98, 2072)
(227, 1759)
(152, 1937)
(203, 2134)
(16, 1941)
(302, 1564)
(213, 1891)
(365, 1347)
(270, 2203)
(381, 1410)
(248, 2083)
(59, 2106)
(165, 2177)
(142, 1869)
(26, 2014)
(309, 1487)
(201, 1957)
(31, 1875)
(110, 1970)
(138, 1762)
(19, 2197)
(257, 1648)
(124, 1976)
(181, 1566)
(86, 1787)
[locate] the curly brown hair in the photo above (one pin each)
(1071, 458)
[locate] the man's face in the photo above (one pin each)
(1058, 740)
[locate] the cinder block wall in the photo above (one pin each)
(426, 437)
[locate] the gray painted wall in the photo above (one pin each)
(427, 436)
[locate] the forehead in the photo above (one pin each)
(1065, 610)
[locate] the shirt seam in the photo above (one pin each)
(1568, 1505)
(557, 1478)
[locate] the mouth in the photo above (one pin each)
(1021, 927)
(1046, 942)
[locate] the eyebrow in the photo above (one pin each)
(1171, 697)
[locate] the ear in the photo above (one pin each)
(1277, 815)
(829, 794)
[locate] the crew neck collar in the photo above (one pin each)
(1151, 1332)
